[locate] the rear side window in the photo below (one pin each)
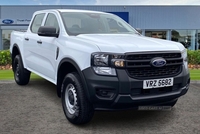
(37, 22)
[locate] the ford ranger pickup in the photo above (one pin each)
(99, 62)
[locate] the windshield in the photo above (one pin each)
(94, 23)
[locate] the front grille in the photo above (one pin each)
(138, 65)
(152, 55)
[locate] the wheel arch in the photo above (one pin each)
(15, 51)
(71, 66)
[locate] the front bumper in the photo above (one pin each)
(124, 92)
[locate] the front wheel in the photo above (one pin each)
(21, 75)
(76, 107)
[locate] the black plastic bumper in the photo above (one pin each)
(123, 92)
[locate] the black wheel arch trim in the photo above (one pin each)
(69, 60)
(16, 45)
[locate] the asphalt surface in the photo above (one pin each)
(36, 109)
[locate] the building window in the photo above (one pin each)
(156, 34)
(197, 42)
(185, 37)
(6, 38)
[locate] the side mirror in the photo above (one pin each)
(47, 31)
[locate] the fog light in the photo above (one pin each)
(105, 93)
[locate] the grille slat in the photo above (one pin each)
(152, 55)
(138, 65)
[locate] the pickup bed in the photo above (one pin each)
(99, 62)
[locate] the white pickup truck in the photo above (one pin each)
(99, 62)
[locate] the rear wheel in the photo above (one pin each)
(76, 107)
(21, 75)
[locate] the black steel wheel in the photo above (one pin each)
(76, 107)
(21, 75)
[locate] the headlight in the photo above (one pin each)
(184, 55)
(100, 59)
(105, 71)
(105, 64)
(185, 59)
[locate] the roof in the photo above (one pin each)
(71, 10)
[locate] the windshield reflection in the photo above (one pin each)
(94, 23)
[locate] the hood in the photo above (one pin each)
(122, 43)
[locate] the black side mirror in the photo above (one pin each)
(47, 31)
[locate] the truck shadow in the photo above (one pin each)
(112, 119)
(130, 117)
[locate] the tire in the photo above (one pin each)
(76, 107)
(21, 75)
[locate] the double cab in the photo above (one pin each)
(98, 62)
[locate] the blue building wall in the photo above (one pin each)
(152, 18)
(123, 15)
(144, 17)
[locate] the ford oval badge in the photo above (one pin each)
(158, 62)
(7, 21)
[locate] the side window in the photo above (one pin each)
(52, 21)
(37, 22)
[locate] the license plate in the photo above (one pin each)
(156, 83)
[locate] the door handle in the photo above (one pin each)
(39, 42)
(27, 39)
